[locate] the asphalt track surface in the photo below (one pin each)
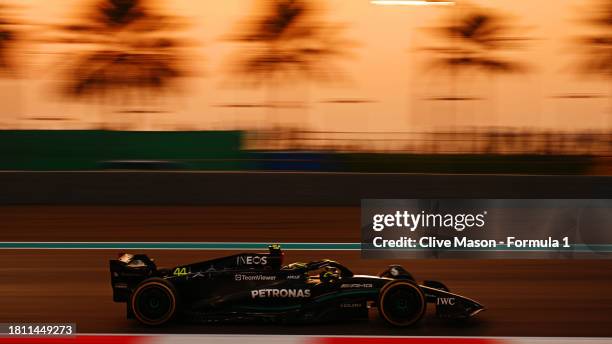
(280, 188)
(523, 297)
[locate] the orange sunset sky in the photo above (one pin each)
(386, 68)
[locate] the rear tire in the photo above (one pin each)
(154, 302)
(401, 303)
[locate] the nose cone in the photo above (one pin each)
(472, 308)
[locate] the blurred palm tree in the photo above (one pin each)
(11, 37)
(287, 43)
(597, 59)
(8, 40)
(128, 53)
(476, 41)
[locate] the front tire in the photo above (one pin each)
(401, 303)
(154, 302)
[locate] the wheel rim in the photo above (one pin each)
(154, 304)
(402, 304)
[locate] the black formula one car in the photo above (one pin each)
(257, 286)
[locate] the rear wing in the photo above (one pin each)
(127, 271)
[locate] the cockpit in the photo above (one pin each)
(323, 271)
